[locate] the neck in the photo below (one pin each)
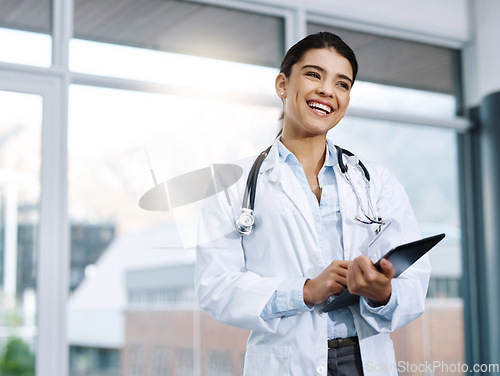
(310, 151)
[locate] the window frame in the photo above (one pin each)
(52, 245)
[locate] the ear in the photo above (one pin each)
(280, 85)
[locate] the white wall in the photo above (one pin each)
(482, 54)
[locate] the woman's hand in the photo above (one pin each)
(365, 280)
(331, 281)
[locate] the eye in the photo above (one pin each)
(344, 85)
(313, 74)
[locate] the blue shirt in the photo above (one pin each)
(288, 298)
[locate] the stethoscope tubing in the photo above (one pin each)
(343, 167)
(251, 187)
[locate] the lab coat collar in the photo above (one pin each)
(331, 154)
(279, 153)
(272, 158)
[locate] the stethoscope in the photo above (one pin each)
(245, 222)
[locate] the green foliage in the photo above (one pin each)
(17, 359)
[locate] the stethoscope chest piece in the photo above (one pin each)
(244, 223)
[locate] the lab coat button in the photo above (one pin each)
(320, 369)
(316, 217)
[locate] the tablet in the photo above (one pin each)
(401, 257)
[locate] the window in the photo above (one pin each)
(20, 140)
(183, 27)
(196, 74)
(136, 356)
(219, 363)
(444, 287)
(185, 362)
(25, 32)
(88, 360)
(405, 101)
(162, 361)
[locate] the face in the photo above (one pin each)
(316, 94)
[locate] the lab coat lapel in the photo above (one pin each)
(343, 190)
(283, 178)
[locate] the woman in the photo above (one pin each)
(307, 244)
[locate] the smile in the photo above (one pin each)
(320, 107)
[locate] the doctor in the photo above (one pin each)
(307, 245)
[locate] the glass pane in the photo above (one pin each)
(183, 27)
(170, 68)
(20, 132)
(424, 159)
(23, 47)
(25, 32)
(132, 299)
(368, 95)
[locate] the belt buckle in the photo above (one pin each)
(333, 343)
(343, 342)
(338, 343)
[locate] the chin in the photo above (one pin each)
(314, 133)
(319, 130)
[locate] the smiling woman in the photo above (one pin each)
(315, 96)
(123, 88)
(318, 89)
(305, 246)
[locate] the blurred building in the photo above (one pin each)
(88, 241)
(97, 308)
(167, 334)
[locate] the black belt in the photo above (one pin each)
(337, 343)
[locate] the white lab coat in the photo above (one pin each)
(236, 276)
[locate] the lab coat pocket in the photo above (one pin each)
(267, 361)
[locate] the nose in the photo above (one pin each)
(326, 90)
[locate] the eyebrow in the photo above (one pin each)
(321, 69)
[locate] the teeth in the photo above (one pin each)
(320, 106)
